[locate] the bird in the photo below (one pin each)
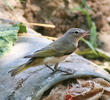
(53, 53)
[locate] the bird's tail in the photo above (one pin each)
(18, 70)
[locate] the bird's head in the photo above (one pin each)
(76, 34)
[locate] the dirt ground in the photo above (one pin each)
(59, 13)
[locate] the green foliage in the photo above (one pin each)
(22, 27)
(90, 45)
(8, 35)
(92, 27)
(93, 36)
(85, 4)
(88, 53)
(93, 52)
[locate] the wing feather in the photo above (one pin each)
(44, 53)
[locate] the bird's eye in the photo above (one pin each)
(76, 32)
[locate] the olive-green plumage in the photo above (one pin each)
(54, 52)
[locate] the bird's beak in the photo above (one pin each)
(86, 33)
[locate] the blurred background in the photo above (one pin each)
(92, 15)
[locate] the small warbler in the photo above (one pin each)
(54, 52)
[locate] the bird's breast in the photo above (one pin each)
(50, 60)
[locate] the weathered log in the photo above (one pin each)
(32, 83)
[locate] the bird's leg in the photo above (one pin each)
(56, 66)
(56, 69)
(49, 67)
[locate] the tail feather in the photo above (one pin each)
(18, 70)
(31, 63)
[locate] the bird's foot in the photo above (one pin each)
(65, 71)
(50, 67)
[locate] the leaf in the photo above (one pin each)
(88, 53)
(85, 4)
(93, 36)
(89, 45)
(8, 35)
(22, 27)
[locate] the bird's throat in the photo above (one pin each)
(75, 42)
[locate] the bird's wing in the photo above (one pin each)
(44, 53)
(48, 53)
(57, 48)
